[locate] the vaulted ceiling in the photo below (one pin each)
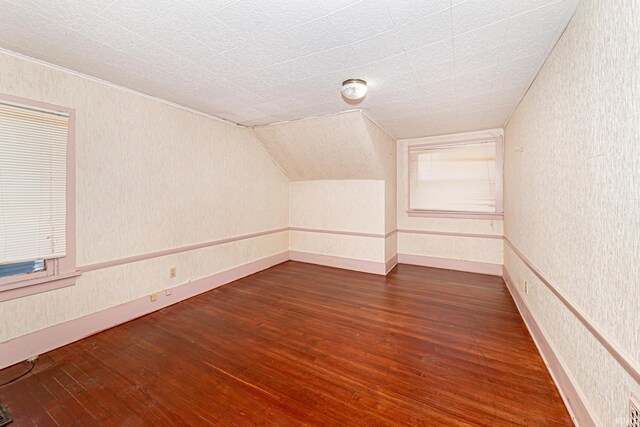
(433, 67)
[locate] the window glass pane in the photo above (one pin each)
(457, 178)
(21, 268)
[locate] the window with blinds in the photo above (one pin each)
(458, 177)
(33, 147)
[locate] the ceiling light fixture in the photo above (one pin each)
(354, 88)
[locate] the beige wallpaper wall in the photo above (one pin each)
(440, 246)
(387, 149)
(573, 197)
(343, 173)
(356, 206)
(343, 205)
(337, 146)
(149, 177)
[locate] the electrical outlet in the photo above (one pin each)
(172, 272)
(153, 297)
(168, 292)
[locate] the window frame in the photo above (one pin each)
(49, 270)
(58, 272)
(499, 211)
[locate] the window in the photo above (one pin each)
(37, 202)
(459, 179)
(26, 267)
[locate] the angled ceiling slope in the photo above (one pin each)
(434, 67)
(334, 147)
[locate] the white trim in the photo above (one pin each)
(353, 264)
(581, 414)
(451, 264)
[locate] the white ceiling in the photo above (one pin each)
(433, 66)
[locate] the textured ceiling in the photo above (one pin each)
(338, 146)
(433, 67)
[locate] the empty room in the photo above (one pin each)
(320, 213)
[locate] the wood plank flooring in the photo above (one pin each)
(300, 344)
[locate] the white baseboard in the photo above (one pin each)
(361, 265)
(573, 398)
(451, 264)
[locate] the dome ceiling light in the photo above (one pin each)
(354, 89)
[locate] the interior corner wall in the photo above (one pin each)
(150, 177)
(386, 147)
(342, 169)
(338, 218)
(572, 202)
(445, 242)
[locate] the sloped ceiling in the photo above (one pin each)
(433, 66)
(339, 146)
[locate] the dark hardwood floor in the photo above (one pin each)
(300, 344)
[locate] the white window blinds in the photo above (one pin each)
(33, 147)
(453, 178)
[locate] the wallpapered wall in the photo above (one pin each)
(341, 205)
(572, 198)
(149, 177)
(338, 146)
(388, 151)
(452, 247)
(153, 177)
(343, 173)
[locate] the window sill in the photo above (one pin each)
(37, 285)
(455, 215)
